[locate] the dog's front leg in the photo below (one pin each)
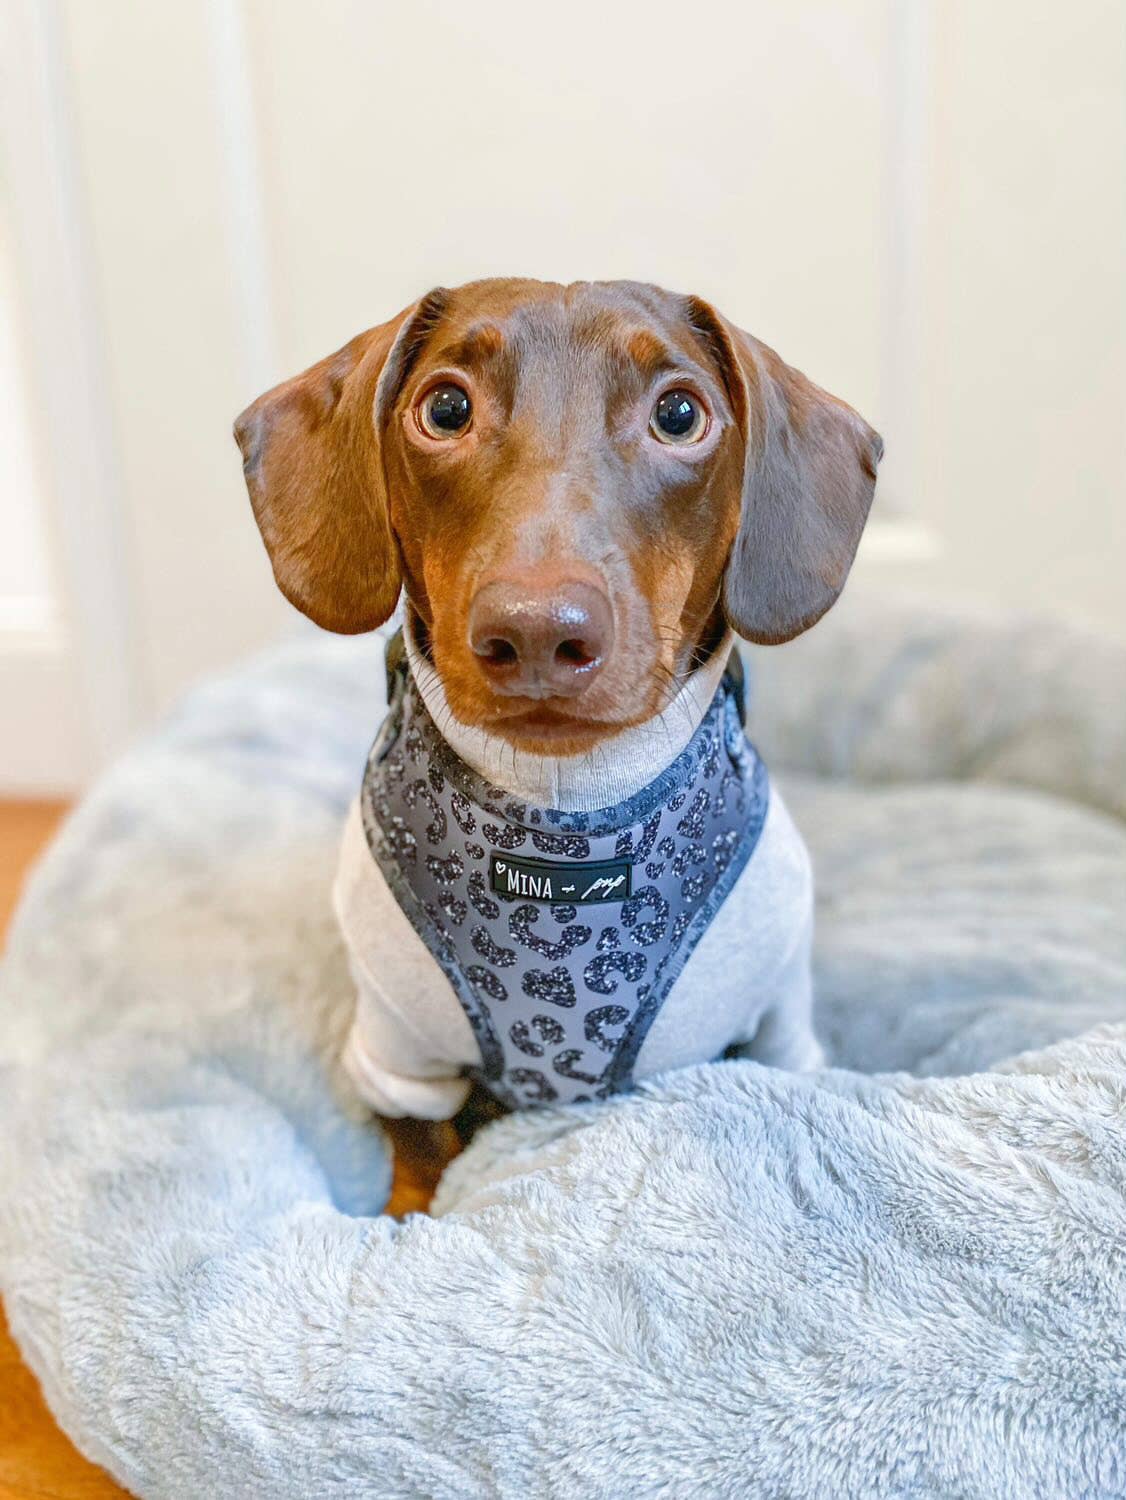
(784, 1037)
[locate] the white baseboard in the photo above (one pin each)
(43, 750)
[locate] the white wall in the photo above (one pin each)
(920, 203)
(1024, 472)
(42, 735)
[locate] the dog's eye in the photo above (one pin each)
(445, 411)
(678, 417)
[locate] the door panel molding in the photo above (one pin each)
(91, 655)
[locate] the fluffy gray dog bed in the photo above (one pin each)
(734, 1283)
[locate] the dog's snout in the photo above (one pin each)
(540, 641)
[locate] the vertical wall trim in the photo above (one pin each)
(907, 191)
(244, 198)
(68, 375)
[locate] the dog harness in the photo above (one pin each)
(561, 933)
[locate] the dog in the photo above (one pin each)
(566, 869)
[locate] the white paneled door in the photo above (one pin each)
(919, 204)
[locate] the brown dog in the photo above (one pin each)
(581, 491)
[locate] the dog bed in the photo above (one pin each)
(902, 1277)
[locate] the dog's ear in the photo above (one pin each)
(808, 478)
(314, 469)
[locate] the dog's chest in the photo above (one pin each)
(560, 933)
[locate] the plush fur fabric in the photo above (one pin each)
(737, 1282)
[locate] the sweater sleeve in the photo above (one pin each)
(410, 1040)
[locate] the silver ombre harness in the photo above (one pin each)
(560, 932)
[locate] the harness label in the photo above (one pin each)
(551, 881)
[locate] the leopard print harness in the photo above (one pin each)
(561, 933)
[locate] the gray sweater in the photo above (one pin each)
(746, 981)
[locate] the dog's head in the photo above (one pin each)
(580, 489)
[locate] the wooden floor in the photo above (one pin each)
(36, 1460)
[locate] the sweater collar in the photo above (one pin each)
(612, 772)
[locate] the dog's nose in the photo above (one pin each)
(537, 642)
